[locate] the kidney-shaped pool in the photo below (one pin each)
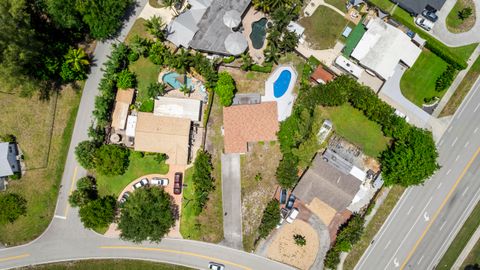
(281, 84)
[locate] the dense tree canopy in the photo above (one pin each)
(225, 88)
(86, 191)
(85, 153)
(202, 179)
(270, 219)
(148, 214)
(111, 159)
(99, 212)
(287, 171)
(12, 206)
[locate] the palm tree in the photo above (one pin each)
(171, 4)
(271, 54)
(155, 26)
(247, 61)
(185, 89)
(77, 59)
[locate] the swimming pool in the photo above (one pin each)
(280, 86)
(172, 79)
(258, 33)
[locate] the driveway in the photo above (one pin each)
(232, 204)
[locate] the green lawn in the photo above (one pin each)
(188, 218)
(418, 82)
(457, 25)
(113, 185)
(473, 257)
(354, 126)
(147, 73)
(323, 28)
(139, 29)
(340, 4)
(462, 89)
(456, 247)
(107, 265)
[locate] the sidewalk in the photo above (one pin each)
(466, 250)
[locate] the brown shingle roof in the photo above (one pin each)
(249, 123)
(167, 135)
(120, 112)
(321, 74)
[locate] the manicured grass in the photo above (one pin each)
(43, 134)
(456, 247)
(473, 257)
(188, 219)
(462, 89)
(340, 4)
(139, 29)
(418, 82)
(453, 21)
(108, 265)
(147, 73)
(373, 227)
(138, 166)
(323, 28)
(354, 126)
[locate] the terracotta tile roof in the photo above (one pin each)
(249, 123)
(321, 74)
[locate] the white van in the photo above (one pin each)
(293, 215)
(424, 23)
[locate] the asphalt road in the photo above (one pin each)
(426, 219)
(65, 239)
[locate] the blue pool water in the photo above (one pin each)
(280, 86)
(171, 79)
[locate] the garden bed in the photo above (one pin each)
(454, 23)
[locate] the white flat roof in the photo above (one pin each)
(131, 124)
(349, 66)
(358, 173)
(178, 107)
(383, 46)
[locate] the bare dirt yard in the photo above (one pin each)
(284, 249)
(258, 187)
(248, 82)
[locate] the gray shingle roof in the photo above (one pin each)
(417, 6)
(8, 162)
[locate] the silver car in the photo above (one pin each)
(141, 183)
(157, 181)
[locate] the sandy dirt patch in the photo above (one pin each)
(284, 249)
(322, 210)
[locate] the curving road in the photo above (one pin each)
(65, 239)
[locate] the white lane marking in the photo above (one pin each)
(450, 129)
(60, 217)
(458, 156)
(466, 144)
(455, 141)
(420, 259)
(448, 172)
(388, 244)
(409, 210)
(465, 191)
(443, 224)
(439, 185)
(441, 142)
(475, 131)
(409, 231)
(396, 263)
(476, 108)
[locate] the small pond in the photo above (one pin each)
(259, 32)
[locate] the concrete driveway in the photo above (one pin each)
(232, 204)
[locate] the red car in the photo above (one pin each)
(177, 186)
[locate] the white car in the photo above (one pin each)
(141, 183)
(156, 181)
(424, 23)
(293, 215)
(215, 266)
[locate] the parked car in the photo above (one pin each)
(141, 183)
(290, 202)
(157, 181)
(177, 185)
(424, 23)
(284, 212)
(124, 197)
(293, 215)
(215, 266)
(283, 196)
(430, 15)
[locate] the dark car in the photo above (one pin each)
(177, 185)
(430, 15)
(124, 197)
(283, 195)
(291, 201)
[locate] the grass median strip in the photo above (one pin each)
(107, 265)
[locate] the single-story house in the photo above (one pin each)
(208, 26)
(321, 75)
(417, 6)
(178, 107)
(122, 105)
(383, 46)
(9, 161)
(243, 124)
(329, 185)
(159, 134)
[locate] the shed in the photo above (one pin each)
(122, 105)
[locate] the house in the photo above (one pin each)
(417, 6)
(159, 134)
(321, 75)
(9, 161)
(122, 105)
(208, 26)
(243, 124)
(382, 47)
(178, 107)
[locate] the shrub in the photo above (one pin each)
(270, 219)
(86, 191)
(441, 51)
(15, 176)
(225, 88)
(126, 79)
(8, 138)
(465, 13)
(202, 179)
(13, 206)
(85, 153)
(445, 79)
(156, 89)
(287, 171)
(263, 69)
(332, 258)
(133, 56)
(228, 60)
(299, 240)
(111, 159)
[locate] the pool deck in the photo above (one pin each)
(285, 102)
(251, 17)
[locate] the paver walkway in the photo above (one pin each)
(231, 198)
(466, 250)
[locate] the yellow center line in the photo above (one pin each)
(460, 177)
(71, 189)
(179, 252)
(14, 257)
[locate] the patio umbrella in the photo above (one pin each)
(232, 18)
(181, 79)
(235, 43)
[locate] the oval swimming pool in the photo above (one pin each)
(259, 33)
(280, 86)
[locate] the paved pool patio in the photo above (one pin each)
(284, 102)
